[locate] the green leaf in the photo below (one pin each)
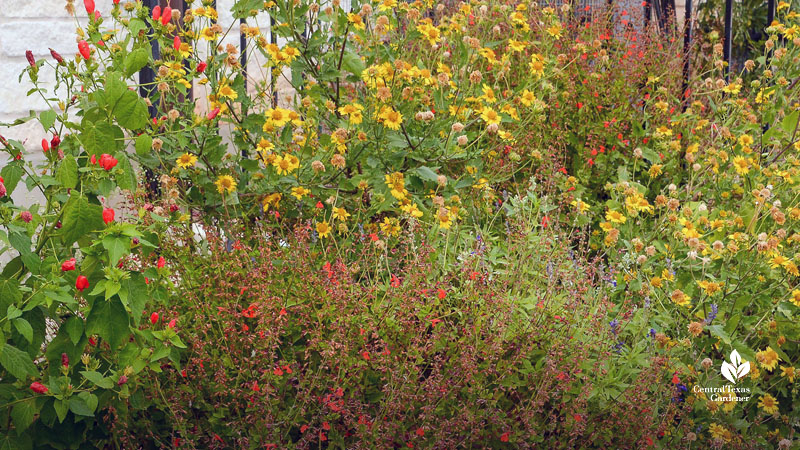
(23, 414)
(144, 143)
(83, 404)
(22, 243)
(136, 60)
(133, 293)
(126, 179)
(47, 118)
(74, 329)
(80, 218)
(426, 173)
(98, 379)
(352, 63)
(117, 247)
(9, 293)
(719, 332)
(17, 362)
(109, 320)
(13, 312)
(96, 138)
(131, 111)
(12, 173)
(67, 172)
(24, 328)
(62, 408)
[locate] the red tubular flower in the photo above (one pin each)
(45, 145)
(29, 57)
(81, 283)
(201, 67)
(172, 323)
(89, 5)
(56, 56)
(211, 115)
(161, 262)
(65, 360)
(68, 265)
(166, 16)
(108, 215)
(55, 142)
(154, 318)
(83, 48)
(93, 160)
(122, 380)
(107, 161)
(156, 13)
(39, 388)
(176, 43)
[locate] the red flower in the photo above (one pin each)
(156, 13)
(29, 57)
(39, 388)
(277, 372)
(108, 215)
(504, 437)
(172, 323)
(122, 380)
(212, 114)
(176, 43)
(166, 16)
(107, 161)
(83, 48)
(201, 67)
(89, 5)
(675, 379)
(68, 265)
(441, 293)
(81, 283)
(65, 360)
(154, 318)
(45, 145)
(56, 56)
(365, 355)
(161, 262)
(395, 281)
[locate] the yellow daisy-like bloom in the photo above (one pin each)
(387, 5)
(554, 30)
(527, 98)
(516, 46)
(340, 214)
(430, 32)
(226, 91)
(615, 217)
(390, 118)
(271, 200)
(490, 116)
(768, 403)
(277, 117)
(537, 64)
(323, 228)
(353, 113)
(186, 160)
(746, 140)
(225, 183)
(445, 218)
(768, 358)
(411, 209)
(795, 297)
(208, 34)
(741, 165)
(679, 298)
(390, 226)
(396, 184)
(299, 192)
(282, 165)
(356, 20)
(788, 372)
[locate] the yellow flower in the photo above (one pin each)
(537, 64)
(356, 20)
(788, 372)
(390, 226)
(768, 358)
(186, 160)
(795, 297)
(208, 34)
(527, 98)
(277, 117)
(768, 403)
(396, 184)
(323, 228)
(340, 213)
(490, 116)
(225, 183)
(554, 30)
(271, 200)
(741, 165)
(679, 298)
(390, 118)
(353, 111)
(299, 192)
(226, 91)
(615, 217)
(430, 32)
(516, 46)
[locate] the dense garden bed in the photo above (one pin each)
(482, 225)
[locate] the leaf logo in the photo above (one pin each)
(736, 369)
